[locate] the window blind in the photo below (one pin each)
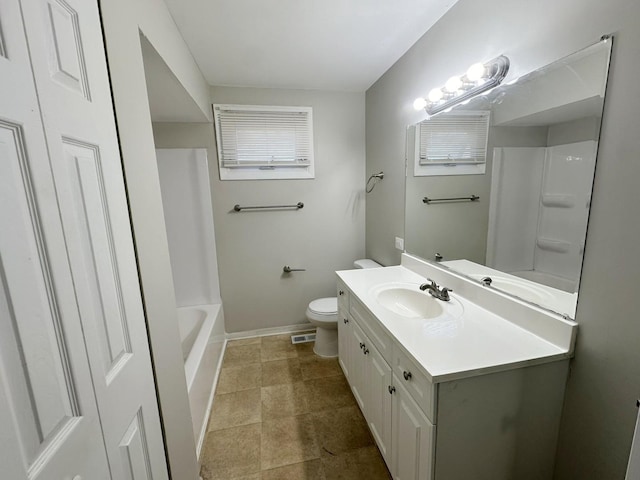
(454, 138)
(264, 137)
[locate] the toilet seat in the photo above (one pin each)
(324, 306)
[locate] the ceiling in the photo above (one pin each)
(343, 45)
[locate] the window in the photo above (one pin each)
(452, 144)
(257, 142)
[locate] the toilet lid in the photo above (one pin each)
(324, 306)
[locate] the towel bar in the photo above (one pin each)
(238, 208)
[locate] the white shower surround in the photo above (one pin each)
(186, 198)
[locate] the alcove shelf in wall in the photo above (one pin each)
(558, 200)
(552, 245)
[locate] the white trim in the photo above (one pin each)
(265, 332)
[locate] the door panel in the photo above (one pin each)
(66, 56)
(76, 387)
(70, 73)
(36, 351)
(94, 241)
(134, 450)
(50, 426)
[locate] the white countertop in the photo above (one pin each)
(447, 347)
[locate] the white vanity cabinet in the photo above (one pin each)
(493, 425)
(401, 430)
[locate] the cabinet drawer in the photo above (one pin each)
(372, 328)
(342, 293)
(411, 376)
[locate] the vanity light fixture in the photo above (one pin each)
(479, 78)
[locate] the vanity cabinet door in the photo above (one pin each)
(358, 372)
(413, 438)
(345, 342)
(379, 400)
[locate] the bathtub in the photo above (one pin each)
(202, 338)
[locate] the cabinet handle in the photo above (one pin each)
(345, 320)
(366, 351)
(391, 389)
(361, 345)
(407, 375)
(341, 292)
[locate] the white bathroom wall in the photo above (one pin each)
(324, 236)
(186, 201)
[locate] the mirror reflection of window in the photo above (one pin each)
(455, 142)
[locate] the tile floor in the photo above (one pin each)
(280, 412)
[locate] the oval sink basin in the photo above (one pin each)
(409, 303)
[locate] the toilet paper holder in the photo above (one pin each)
(288, 269)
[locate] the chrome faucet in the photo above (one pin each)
(441, 293)
(486, 281)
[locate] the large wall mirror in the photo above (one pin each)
(520, 226)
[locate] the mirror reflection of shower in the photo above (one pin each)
(544, 241)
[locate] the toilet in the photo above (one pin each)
(323, 314)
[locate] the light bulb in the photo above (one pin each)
(453, 84)
(419, 103)
(435, 95)
(475, 72)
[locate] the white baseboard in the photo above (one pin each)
(264, 332)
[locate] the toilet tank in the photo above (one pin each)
(366, 263)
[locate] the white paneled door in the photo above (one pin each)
(77, 398)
